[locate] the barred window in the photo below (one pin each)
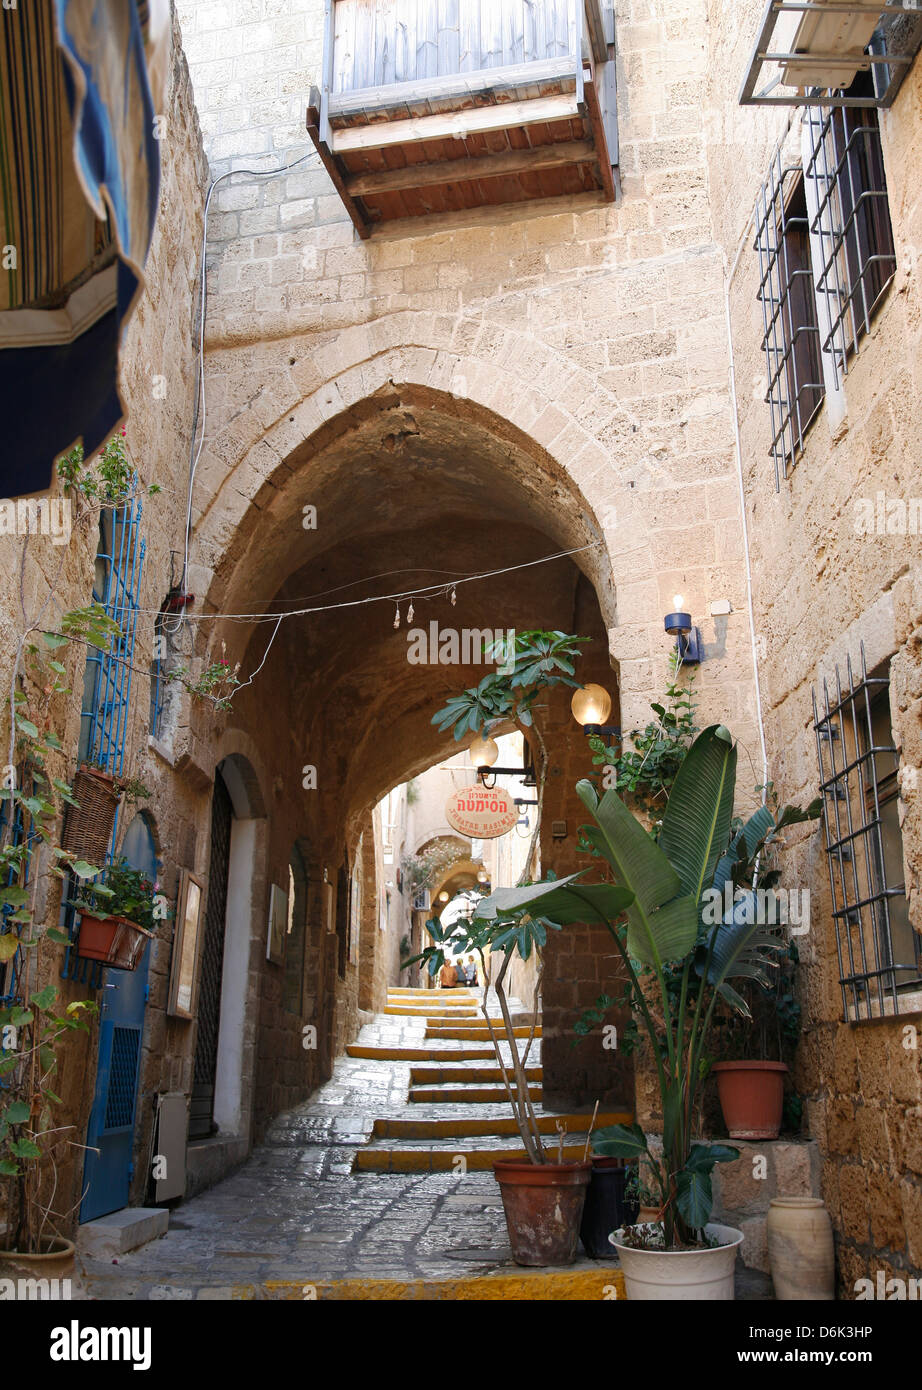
(791, 339)
(879, 952)
(852, 223)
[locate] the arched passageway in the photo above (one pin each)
(409, 489)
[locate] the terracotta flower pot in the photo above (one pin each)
(114, 940)
(751, 1098)
(800, 1249)
(56, 1261)
(543, 1203)
(657, 1276)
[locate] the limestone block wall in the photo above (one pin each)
(599, 328)
(821, 588)
(157, 367)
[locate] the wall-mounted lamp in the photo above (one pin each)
(483, 876)
(591, 706)
(484, 752)
(443, 897)
(687, 637)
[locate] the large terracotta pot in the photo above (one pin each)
(55, 1262)
(800, 1249)
(751, 1098)
(543, 1203)
(659, 1276)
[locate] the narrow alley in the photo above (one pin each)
(381, 1185)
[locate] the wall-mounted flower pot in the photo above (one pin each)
(88, 826)
(606, 1206)
(543, 1203)
(114, 940)
(657, 1276)
(751, 1098)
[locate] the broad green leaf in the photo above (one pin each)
(620, 1141)
(639, 864)
(24, 1148)
(702, 1157)
(671, 935)
(44, 998)
(55, 934)
(696, 822)
(8, 1169)
(84, 870)
(26, 726)
(54, 639)
(561, 901)
(694, 1197)
(9, 945)
(17, 1113)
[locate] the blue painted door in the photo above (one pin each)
(108, 1166)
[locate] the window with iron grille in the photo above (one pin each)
(791, 339)
(879, 952)
(852, 223)
(107, 681)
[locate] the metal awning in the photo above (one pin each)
(809, 51)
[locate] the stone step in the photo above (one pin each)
(474, 1032)
(410, 1011)
(462, 1127)
(465, 1095)
(445, 1159)
(418, 1054)
(473, 1076)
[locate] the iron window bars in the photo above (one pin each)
(858, 766)
(10, 970)
(107, 682)
(889, 55)
(852, 223)
(791, 340)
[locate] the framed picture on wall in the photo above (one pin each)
(181, 999)
(278, 925)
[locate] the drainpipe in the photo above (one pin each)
(729, 276)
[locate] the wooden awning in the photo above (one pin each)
(429, 117)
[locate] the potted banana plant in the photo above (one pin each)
(677, 967)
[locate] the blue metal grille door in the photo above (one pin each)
(110, 1134)
(123, 1075)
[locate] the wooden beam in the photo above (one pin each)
(329, 163)
(460, 85)
(601, 144)
(482, 167)
(595, 28)
(455, 124)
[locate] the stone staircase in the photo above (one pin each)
(458, 1118)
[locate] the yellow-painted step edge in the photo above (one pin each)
(599, 1283)
(462, 1128)
(446, 1161)
(473, 1095)
(418, 1054)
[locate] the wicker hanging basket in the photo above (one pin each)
(88, 826)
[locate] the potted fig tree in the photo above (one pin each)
(542, 1198)
(677, 968)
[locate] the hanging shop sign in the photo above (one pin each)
(481, 814)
